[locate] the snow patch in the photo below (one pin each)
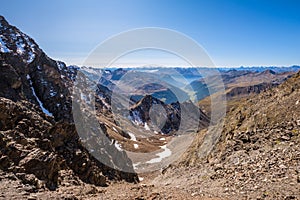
(135, 146)
(3, 47)
(115, 129)
(102, 98)
(162, 139)
(136, 118)
(135, 165)
(14, 36)
(20, 48)
(132, 136)
(166, 153)
(38, 100)
(297, 102)
(118, 146)
(60, 65)
(146, 127)
(106, 104)
(31, 57)
(52, 93)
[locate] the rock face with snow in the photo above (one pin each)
(24, 67)
(12, 41)
(165, 117)
(38, 136)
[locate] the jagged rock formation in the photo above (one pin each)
(38, 136)
(26, 68)
(165, 116)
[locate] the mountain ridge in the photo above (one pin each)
(31, 78)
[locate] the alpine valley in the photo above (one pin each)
(141, 110)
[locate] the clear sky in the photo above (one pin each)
(233, 32)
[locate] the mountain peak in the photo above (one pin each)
(29, 74)
(13, 41)
(3, 20)
(268, 71)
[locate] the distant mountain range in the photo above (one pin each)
(141, 110)
(180, 84)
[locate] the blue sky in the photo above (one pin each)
(233, 32)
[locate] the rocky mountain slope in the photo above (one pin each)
(240, 85)
(38, 136)
(33, 145)
(29, 74)
(166, 117)
(258, 152)
(39, 141)
(241, 78)
(257, 156)
(43, 157)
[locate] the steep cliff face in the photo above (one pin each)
(166, 117)
(166, 114)
(29, 74)
(38, 136)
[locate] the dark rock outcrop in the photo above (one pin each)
(26, 68)
(170, 114)
(37, 133)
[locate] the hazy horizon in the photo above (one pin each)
(234, 33)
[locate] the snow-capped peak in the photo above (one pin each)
(12, 40)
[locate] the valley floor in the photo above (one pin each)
(12, 188)
(175, 183)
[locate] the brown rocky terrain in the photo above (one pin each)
(33, 143)
(257, 156)
(38, 136)
(40, 148)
